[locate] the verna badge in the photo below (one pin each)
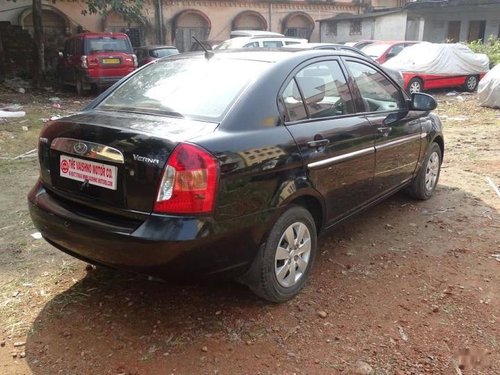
(80, 148)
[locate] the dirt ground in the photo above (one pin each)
(405, 288)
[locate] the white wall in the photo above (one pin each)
(344, 30)
(436, 23)
(390, 27)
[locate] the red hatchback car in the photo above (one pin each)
(95, 60)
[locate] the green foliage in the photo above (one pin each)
(130, 10)
(491, 48)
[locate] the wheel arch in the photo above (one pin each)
(311, 201)
(440, 141)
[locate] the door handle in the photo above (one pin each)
(318, 143)
(385, 130)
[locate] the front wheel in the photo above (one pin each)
(425, 183)
(415, 85)
(471, 83)
(284, 261)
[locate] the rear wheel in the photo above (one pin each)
(425, 183)
(471, 83)
(284, 261)
(415, 85)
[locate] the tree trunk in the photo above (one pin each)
(2, 59)
(38, 46)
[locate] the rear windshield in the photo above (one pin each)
(107, 44)
(193, 88)
(163, 52)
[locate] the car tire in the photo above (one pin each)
(471, 83)
(415, 85)
(427, 178)
(280, 269)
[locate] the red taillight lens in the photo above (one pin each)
(189, 182)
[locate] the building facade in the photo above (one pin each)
(432, 21)
(175, 22)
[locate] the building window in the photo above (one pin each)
(476, 30)
(356, 28)
(298, 25)
(453, 31)
(332, 28)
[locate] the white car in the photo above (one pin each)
(259, 42)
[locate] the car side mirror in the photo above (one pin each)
(422, 102)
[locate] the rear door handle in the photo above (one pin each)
(318, 143)
(385, 130)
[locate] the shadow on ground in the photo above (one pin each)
(114, 322)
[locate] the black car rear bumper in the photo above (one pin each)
(165, 246)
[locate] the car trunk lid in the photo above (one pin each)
(112, 160)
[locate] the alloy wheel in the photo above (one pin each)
(292, 255)
(432, 171)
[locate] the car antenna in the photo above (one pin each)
(208, 54)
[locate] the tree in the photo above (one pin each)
(129, 9)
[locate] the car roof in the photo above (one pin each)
(97, 35)
(156, 47)
(270, 55)
(254, 33)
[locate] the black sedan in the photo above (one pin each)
(231, 163)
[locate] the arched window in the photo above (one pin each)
(187, 24)
(56, 26)
(298, 25)
(249, 20)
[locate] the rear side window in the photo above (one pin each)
(272, 44)
(317, 91)
(107, 44)
(251, 45)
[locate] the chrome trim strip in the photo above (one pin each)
(336, 159)
(398, 141)
(93, 150)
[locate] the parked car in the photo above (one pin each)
(146, 54)
(95, 60)
(383, 51)
(258, 42)
(363, 43)
(231, 163)
(208, 44)
(255, 33)
(394, 74)
(428, 66)
(488, 91)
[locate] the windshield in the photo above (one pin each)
(194, 88)
(108, 44)
(375, 50)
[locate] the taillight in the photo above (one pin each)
(85, 64)
(189, 182)
(134, 57)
